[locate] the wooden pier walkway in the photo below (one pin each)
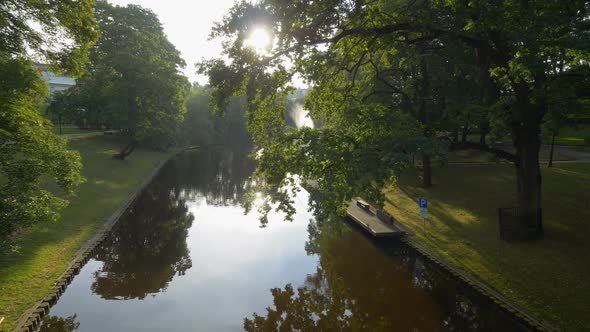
(367, 218)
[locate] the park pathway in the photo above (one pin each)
(575, 155)
(563, 155)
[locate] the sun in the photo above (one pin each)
(259, 39)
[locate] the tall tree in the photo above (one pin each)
(134, 82)
(202, 127)
(58, 32)
(514, 44)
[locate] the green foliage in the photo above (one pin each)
(342, 161)
(197, 128)
(567, 100)
(134, 82)
(47, 249)
(375, 65)
(202, 127)
(62, 108)
(29, 152)
(58, 32)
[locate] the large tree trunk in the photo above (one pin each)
(464, 133)
(528, 177)
(526, 127)
(551, 152)
(126, 151)
(482, 138)
(528, 173)
(484, 130)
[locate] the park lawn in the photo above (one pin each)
(46, 249)
(548, 277)
(571, 136)
(70, 130)
(475, 156)
(471, 156)
(569, 141)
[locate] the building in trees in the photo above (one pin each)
(55, 82)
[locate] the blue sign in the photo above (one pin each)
(423, 203)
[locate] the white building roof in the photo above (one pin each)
(58, 80)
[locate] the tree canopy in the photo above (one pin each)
(57, 32)
(393, 78)
(60, 33)
(134, 82)
(202, 127)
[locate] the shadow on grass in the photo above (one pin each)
(463, 227)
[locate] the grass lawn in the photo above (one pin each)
(549, 277)
(474, 156)
(569, 141)
(46, 249)
(70, 130)
(571, 136)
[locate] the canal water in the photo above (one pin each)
(185, 257)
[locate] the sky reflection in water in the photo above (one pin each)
(186, 257)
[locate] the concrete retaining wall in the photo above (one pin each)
(500, 300)
(32, 318)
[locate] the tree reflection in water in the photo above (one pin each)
(58, 324)
(368, 286)
(148, 246)
(215, 176)
(359, 283)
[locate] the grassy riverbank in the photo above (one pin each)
(70, 130)
(549, 277)
(46, 249)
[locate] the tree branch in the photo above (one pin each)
(384, 81)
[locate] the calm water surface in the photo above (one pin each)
(186, 258)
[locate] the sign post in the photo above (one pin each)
(423, 202)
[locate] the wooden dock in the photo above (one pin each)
(367, 218)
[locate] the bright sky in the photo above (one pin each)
(187, 24)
